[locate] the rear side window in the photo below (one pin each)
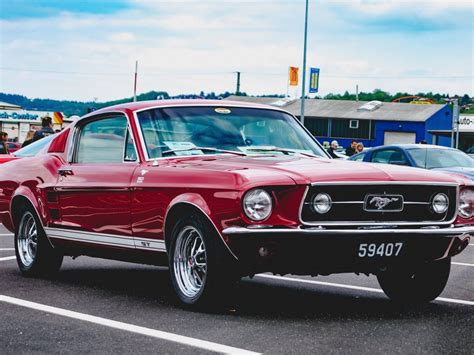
(102, 141)
(390, 156)
(381, 156)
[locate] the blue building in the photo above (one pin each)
(371, 123)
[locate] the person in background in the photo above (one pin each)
(351, 150)
(4, 143)
(359, 147)
(332, 149)
(46, 129)
(29, 138)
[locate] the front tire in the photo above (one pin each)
(421, 285)
(34, 254)
(200, 267)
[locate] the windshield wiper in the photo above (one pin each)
(205, 149)
(281, 150)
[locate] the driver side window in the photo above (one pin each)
(103, 141)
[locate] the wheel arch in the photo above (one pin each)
(181, 206)
(24, 197)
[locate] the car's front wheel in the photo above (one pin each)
(35, 255)
(419, 285)
(201, 272)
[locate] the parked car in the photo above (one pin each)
(13, 146)
(423, 156)
(470, 151)
(220, 190)
(29, 151)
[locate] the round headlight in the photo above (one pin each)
(257, 204)
(322, 203)
(466, 202)
(440, 203)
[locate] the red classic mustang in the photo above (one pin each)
(220, 190)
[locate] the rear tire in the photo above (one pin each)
(201, 269)
(417, 286)
(34, 254)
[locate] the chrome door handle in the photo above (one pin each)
(65, 171)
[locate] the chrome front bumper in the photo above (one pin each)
(452, 231)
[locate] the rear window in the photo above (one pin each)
(34, 148)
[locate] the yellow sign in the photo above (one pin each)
(293, 76)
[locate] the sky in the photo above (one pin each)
(86, 50)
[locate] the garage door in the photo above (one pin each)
(399, 137)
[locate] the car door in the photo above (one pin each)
(93, 188)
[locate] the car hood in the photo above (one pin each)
(468, 172)
(304, 170)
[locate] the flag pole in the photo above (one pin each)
(288, 83)
(303, 89)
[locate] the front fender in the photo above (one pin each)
(196, 202)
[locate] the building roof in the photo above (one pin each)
(8, 106)
(388, 111)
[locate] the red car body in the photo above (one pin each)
(128, 211)
(6, 158)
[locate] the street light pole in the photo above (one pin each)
(135, 82)
(303, 82)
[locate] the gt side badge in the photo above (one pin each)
(222, 110)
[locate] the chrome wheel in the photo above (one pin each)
(27, 241)
(190, 261)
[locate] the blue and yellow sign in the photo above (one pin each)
(313, 80)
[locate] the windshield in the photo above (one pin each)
(243, 130)
(33, 149)
(432, 158)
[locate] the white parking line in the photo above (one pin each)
(6, 235)
(461, 264)
(351, 287)
(471, 244)
(197, 343)
(8, 258)
(7, 249)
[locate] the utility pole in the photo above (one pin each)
(357, 92)
(455, 125)
(237, 92)
(135, 82)
(303, 82)
(456, 118)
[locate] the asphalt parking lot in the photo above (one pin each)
(99, 306)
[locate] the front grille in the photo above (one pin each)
(409, 204)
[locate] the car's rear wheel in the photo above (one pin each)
(200, 269)
(35, 255)
(420, 285)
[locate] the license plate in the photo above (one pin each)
(372, 250)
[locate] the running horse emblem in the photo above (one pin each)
(381, 202)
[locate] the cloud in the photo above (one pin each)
(189, 46)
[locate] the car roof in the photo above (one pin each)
(411, 146)
(143, 105)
